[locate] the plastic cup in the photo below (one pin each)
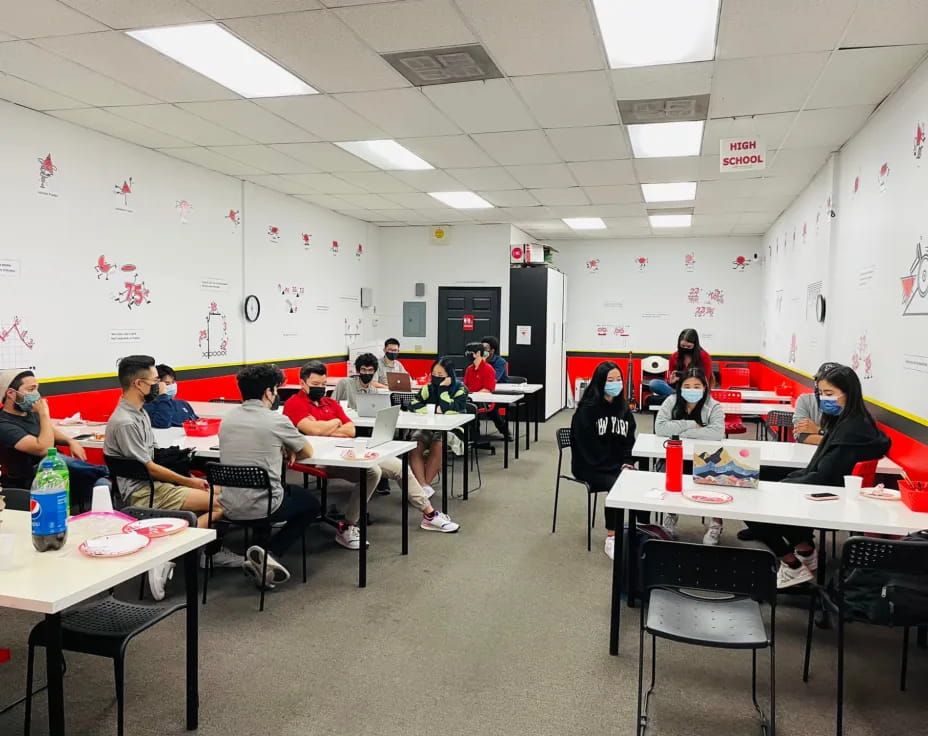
(853, 482)
(102, 501)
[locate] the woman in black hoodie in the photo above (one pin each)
(850, 437)
(602, 434)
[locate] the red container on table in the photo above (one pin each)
(915, 496)
(673, 464)
(201, 427)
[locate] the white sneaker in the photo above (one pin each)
(609, 547)
(439, 523)
(223, 558)
(788, 576)
(349, 537)
(429, 491)
(158, 577)
(712, 534)
(810, 561)
(276, 573)
(669, 525)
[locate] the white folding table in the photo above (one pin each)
(509, 401)
(525, 389)
(746, 408)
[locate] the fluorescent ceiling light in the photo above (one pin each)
(655, 140)
(584, 223)
(657, 31)
(223, 57)
(671, 220)
(678, 191)
(386, 154)
(461, 200)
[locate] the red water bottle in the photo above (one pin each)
(673, 464)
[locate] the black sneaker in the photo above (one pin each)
(747, 535)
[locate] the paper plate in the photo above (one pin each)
(709, 497)
(368, 455)
(155, 528)
(114, 545)
(882, 494)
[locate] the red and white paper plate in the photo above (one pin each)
(352, 455)
(156, 527)
(882, 494)
(709, 497)
(114, 545)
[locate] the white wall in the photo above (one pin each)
(609, 288)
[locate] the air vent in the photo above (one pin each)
(668, 110)
(445, 65)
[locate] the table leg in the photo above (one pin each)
(54, 674)
(444, 476)
(191, 573)
(632, 565)
(514, 410)
(615, 618)
(405, 502)
(362, 523)
(528, 427)
(467, 434)
(536, 399)
(506, 444)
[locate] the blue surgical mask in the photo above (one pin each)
(691, 395)
(613, 388)
(27, 401)
(830, 406)
(171, 390)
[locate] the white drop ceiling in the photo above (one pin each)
(544, 142)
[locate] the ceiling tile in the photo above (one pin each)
(320, 49)
(489, 178)
(413, 24)
(596, 173)
(762, 28)
(518, 147)
(329, 201)
(561, 196)
(415, 200)
(797, 161)
(323, 156)
(324, 184)
(265, 158)
(247, 119)
(34, 18)
(525, 213)
(31, 95)
(345, 3)
(628, 226)
(763, 84)
(6, 37)
(280, 184)
(429, 181)
(749, 229)
(607, 210)
(448, 151)
(375, 182)
(181, 124)
(104, 122)
(323, 116)
(481, 107)
(543, 175)
(358, 214)
(666, 80)
(136, 65)
(565, 100)
(510, 198)
(368, 201)
(888, 23)
(525, 38)
(29, 62)
(707, 191)
(402, 113)
(772, 128)
(613, 194)
(241, 8)
(842, 83)
(138, 14)
(829, 127)
(672, 168)
(589, 144)
(213, 161)
(444, 215)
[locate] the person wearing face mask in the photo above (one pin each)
(691, 412)
(256, 434)
(348, 388)
(497, 362)
(689, 354)
(27, 434)
(850, 436)
(602, 435)
(389, 363)
(807, 419)
(167, 410)
(481, 376)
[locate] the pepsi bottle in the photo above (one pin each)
(49, 507)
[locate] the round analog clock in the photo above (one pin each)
(252, 308)
(820, 308)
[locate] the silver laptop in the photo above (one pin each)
(384, 428)
(368, 405)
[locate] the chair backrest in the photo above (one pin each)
(867, 471)
(735, 377)
(15, 499)
(142, 512)
(238, 476)
(401, 398)
(516, 379)
(733, 570)
(723, 396)
(563, 438)
(124, 467)
(654, 365)
(884, 581)
(782, 423)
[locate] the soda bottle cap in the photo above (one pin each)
(675, 437)
(52, 452)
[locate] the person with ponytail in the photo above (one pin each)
(689, 354)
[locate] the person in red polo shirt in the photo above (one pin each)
(481, 376)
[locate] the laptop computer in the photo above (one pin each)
(384, 429)
(368, 404)
(726, 464)
(399, 381)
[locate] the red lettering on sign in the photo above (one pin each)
(467, 323)
(742, 146)
(741, 160)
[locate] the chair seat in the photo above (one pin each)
(308, 469)
(728, 623)
(735, 428)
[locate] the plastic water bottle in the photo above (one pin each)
(49, 507)
(61, 467)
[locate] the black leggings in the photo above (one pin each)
(780, 538)
(603, 482)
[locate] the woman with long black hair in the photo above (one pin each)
(689, 354)
(602, 434)
(850, 436)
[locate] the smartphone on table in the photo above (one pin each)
(822, 496)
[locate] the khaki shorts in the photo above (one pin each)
(167, 496)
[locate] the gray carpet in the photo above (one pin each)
(500, 629)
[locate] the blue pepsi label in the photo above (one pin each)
(49, 513)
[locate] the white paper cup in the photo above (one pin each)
(102, 501)
(853, 482)
(430, 408)
(7, 542)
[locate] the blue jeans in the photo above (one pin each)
(82, 476)
(660, 387)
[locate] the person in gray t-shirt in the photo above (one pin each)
(389, 363)
(807, 419)
(348, 389)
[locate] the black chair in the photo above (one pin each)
(516, 379)
(563, 442)
(123, 467)
(16, 499)
(780, 424)
(252, 477)
(401, 399)
(104, 627)
(736, 581)
(883, 582)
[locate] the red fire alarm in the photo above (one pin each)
(468, 323)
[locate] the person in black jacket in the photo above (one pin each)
(850, 436)
(602, 434)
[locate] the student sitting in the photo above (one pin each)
(348, 388)
(389, 363)
(255, 434)
(688, 355)
(480, 376)
(27, 434)
(602, 434)
(807, 419)
(691, 413)
(496, 361)
(447, 395)
(166, 410)
(850, 436)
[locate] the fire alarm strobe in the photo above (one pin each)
(516, 254)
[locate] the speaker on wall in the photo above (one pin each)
(420, 289)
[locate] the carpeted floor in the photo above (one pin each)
(499, 629)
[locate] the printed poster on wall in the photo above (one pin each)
(523, 334)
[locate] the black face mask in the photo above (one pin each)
(436, 381)
(366, 378)
(391, 355)
(685, 350)
(316, 392)
(152, 394)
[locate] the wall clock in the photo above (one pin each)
(820, 308)
(252, 308)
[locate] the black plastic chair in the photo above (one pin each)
(563, 442)
(244, 476)
(123, 467)
(471, 437)
(104, 628)
(737, 580)
(402, 399)
(516, 379)
(899, 561)
(16, 499)
(780, 424)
